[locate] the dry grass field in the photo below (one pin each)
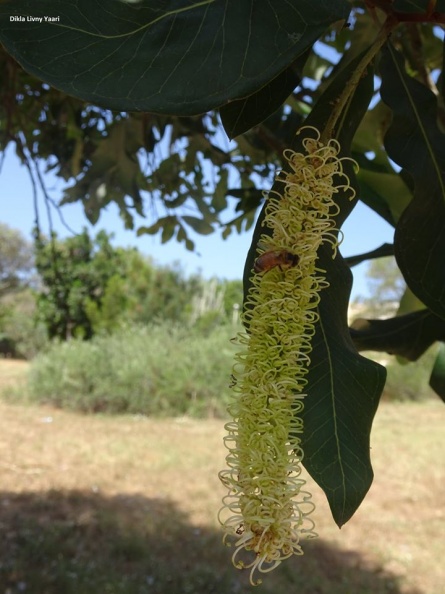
(127, 505)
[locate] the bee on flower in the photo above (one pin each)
(279, 258)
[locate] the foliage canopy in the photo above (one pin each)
(366, 73)
(16, 260)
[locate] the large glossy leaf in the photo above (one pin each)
(415, 143)
(343, 393)
(167, 56)
(343, 388)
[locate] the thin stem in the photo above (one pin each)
(350, 87)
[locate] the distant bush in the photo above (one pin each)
(161, 370)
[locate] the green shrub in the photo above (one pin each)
(155, 370)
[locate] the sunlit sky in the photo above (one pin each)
(363, 231)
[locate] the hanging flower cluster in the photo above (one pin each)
(267, 511)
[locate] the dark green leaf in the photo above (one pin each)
(201, 203)
(248, 198)
(343, 393)
(189, 244)
(416, 144)
(199, 225)
(152, 230)
(219, 198)
(437, 378)
(181, 236)
(239, 116)
(386, 193)
(176, 202)
(408, 335)
(168, 229)
(166, 56)
(162, 222)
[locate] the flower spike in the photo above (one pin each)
(266, 512)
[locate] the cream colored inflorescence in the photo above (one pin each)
(266, 512)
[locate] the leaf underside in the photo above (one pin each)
(343, 393)
(177, 57)
(239, 116)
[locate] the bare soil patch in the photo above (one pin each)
(127, 505)
(12, 371)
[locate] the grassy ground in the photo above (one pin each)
(127, 505)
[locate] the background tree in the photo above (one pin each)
(89, 286)
(141, 293)
(16, 260)
(265, 74)
(386, 284)
(73, 272)
(18, 335)
(386, 287)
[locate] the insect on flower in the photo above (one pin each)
(232, 381)
(280, 258)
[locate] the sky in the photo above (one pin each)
(214, 257)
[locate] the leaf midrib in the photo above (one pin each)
(334, 410)
(419, 123)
